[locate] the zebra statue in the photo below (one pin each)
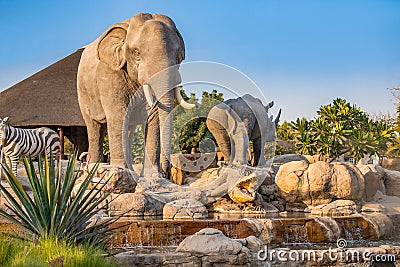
(16, 142)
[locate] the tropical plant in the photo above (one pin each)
(51, 211)
(341, 128)
(284, 131)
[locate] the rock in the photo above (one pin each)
(204, 178)
(381, 224)
(121, 179)
(324, 229)
(287, 180)
(373, 207)
(253, 243)
(185, 209)
(347, 182)
(392, 183)
(267, 230)
(378, 197)
(389, 203)
(269, 208)
(226, 205)
(391, 163)
(282, 159)
(319, 183)
(224, 260)
(209, 231)
(133, 204)
(314, 158)
(373, 179)
(295, 207)
(316, 182)
(130, 258)
(280, 204)
(242, 241)
(267, 190)
(210, 242)
(137, 168)
(335, 208)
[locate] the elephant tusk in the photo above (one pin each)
(147, 94)
(181, 101)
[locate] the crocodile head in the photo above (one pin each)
(245, 189)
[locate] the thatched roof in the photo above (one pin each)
(47, 98)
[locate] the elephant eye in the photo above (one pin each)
(136, 54)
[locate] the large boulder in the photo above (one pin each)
(282, 159)
(320, 182)
(391, 163)
(185, 209)
(210, 241)
(374, 180)
(335, 208)
(392, 183)
(121, 179)
(134, 204)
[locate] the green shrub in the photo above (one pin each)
(50, 252)
(51, 212)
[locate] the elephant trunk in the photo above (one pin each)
(163, 87)
(165, 108)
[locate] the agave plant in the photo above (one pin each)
(50, 211)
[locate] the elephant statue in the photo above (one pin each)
(235, 122)
(133, 63)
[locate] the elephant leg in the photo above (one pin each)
(241, 144)
(151, 166)
(78, 136)
(117, 156)
(96, 133)
(221, 137)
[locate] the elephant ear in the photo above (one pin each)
(181, 55)
(111, 46)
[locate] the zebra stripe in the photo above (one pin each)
(27, 142)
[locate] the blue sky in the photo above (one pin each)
(302, 54)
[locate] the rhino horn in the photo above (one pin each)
(276, 121)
